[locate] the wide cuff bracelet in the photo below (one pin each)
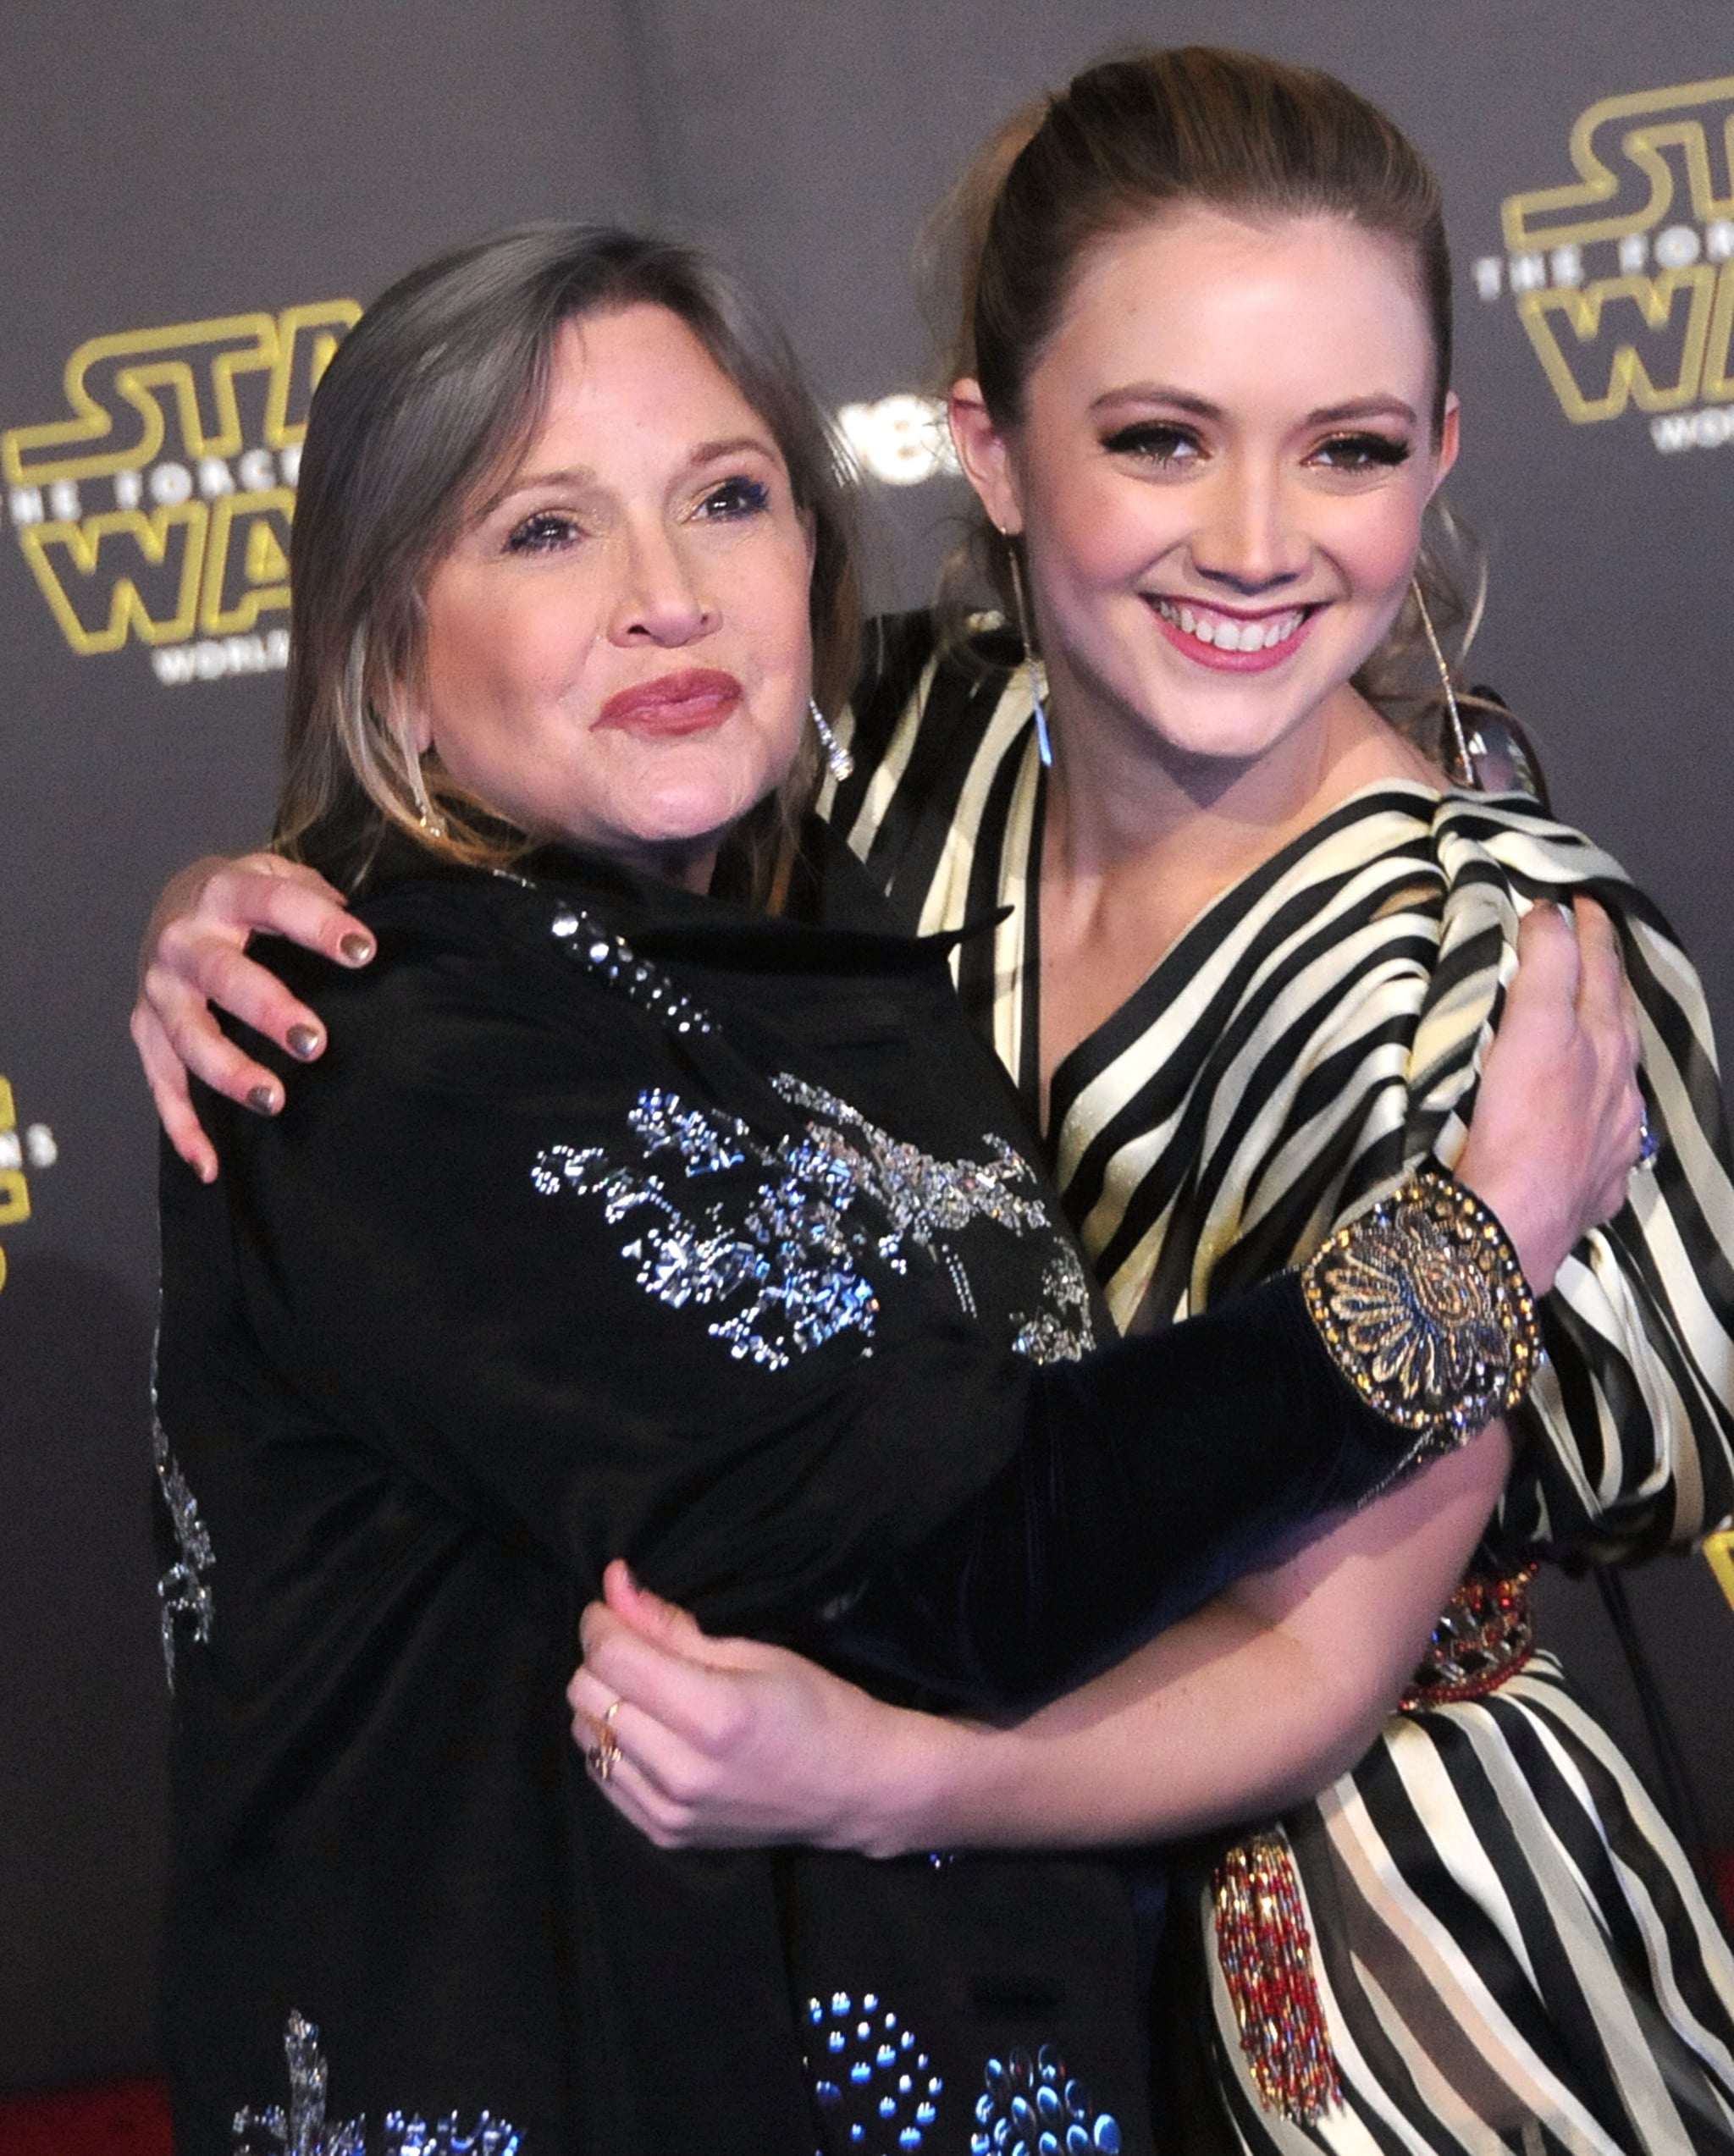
(1424, 1309)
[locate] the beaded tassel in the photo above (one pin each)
(1265, 1952)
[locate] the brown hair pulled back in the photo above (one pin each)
(1150, 132)
(436, 390)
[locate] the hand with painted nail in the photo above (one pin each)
(194, 955)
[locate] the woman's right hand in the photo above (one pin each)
(1555, 1133)
(194, 955)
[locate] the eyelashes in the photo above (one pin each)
(737, 497)
(1155, 441)
(1172, 446)
(549, 531)
(1362, 452)
(542, 532)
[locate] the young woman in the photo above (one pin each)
(1204, 396)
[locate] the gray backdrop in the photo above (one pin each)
(193, 164)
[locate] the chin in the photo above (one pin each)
(685, 816)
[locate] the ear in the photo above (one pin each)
(985, 455)
(1449, 440)
(410, 720)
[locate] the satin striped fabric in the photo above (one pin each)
(1510, 1947)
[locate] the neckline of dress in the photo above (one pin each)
(1086, 1057)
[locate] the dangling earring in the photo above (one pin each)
(837, 759)
(432, 823)
(1466, 762)
(1044, 746)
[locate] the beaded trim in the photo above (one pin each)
(1485, 1635)
(1266, 1953)
(183, 1590)
(304, 2129)
(597, 947)
(1424, 1309)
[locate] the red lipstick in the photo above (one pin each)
(687, 702)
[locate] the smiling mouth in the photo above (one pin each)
(1233, 632)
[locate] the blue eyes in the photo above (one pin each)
(547, 531)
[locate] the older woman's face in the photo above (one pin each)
(618, 649)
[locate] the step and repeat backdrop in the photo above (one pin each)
(200, 198)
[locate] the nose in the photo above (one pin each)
(1245, 540)
(661, 599)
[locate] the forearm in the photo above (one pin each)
(1251, 1705)
(1158, 1472)
(1216, 1719)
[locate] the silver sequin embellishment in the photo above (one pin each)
(305, 2131)
(786, 1266)
(873, 2085)
(1036, 2105)
(183, 1590)
(613, 959)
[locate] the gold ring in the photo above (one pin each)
(604, 1755)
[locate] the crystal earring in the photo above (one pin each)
(1044, 746)
(837, 759)
(1466, 762)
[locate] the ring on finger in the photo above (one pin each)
(1648, 1144)
(603, 1756)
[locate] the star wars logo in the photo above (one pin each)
(1624, 278)
(157, 512)
(33, 1148)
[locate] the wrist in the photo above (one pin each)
(900, 1785)
(1527, 1202)
(1424, 1305)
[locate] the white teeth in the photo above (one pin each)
(1226, 633)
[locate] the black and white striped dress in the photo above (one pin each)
(1506, 1942)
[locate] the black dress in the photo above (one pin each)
(615, 1221)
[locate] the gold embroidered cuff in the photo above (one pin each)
(1424, 1309)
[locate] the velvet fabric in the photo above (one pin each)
(419, 1392)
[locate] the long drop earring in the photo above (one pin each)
(432, 823)
(837, 759)
(1044, 746)
(1466, 762)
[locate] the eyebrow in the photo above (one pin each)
(1157, 392)
(581, 475)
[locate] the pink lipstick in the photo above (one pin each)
(1230, 643)
(687, 702)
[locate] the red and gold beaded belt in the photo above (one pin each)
(1485, 1635)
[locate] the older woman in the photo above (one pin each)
(627, 1217)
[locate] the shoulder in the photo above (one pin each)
(1538, 857)
(904, 653)
(939, 732)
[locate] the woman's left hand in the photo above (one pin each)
(728, 1743)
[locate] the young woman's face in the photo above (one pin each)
(618, 647)
(1220, 472)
